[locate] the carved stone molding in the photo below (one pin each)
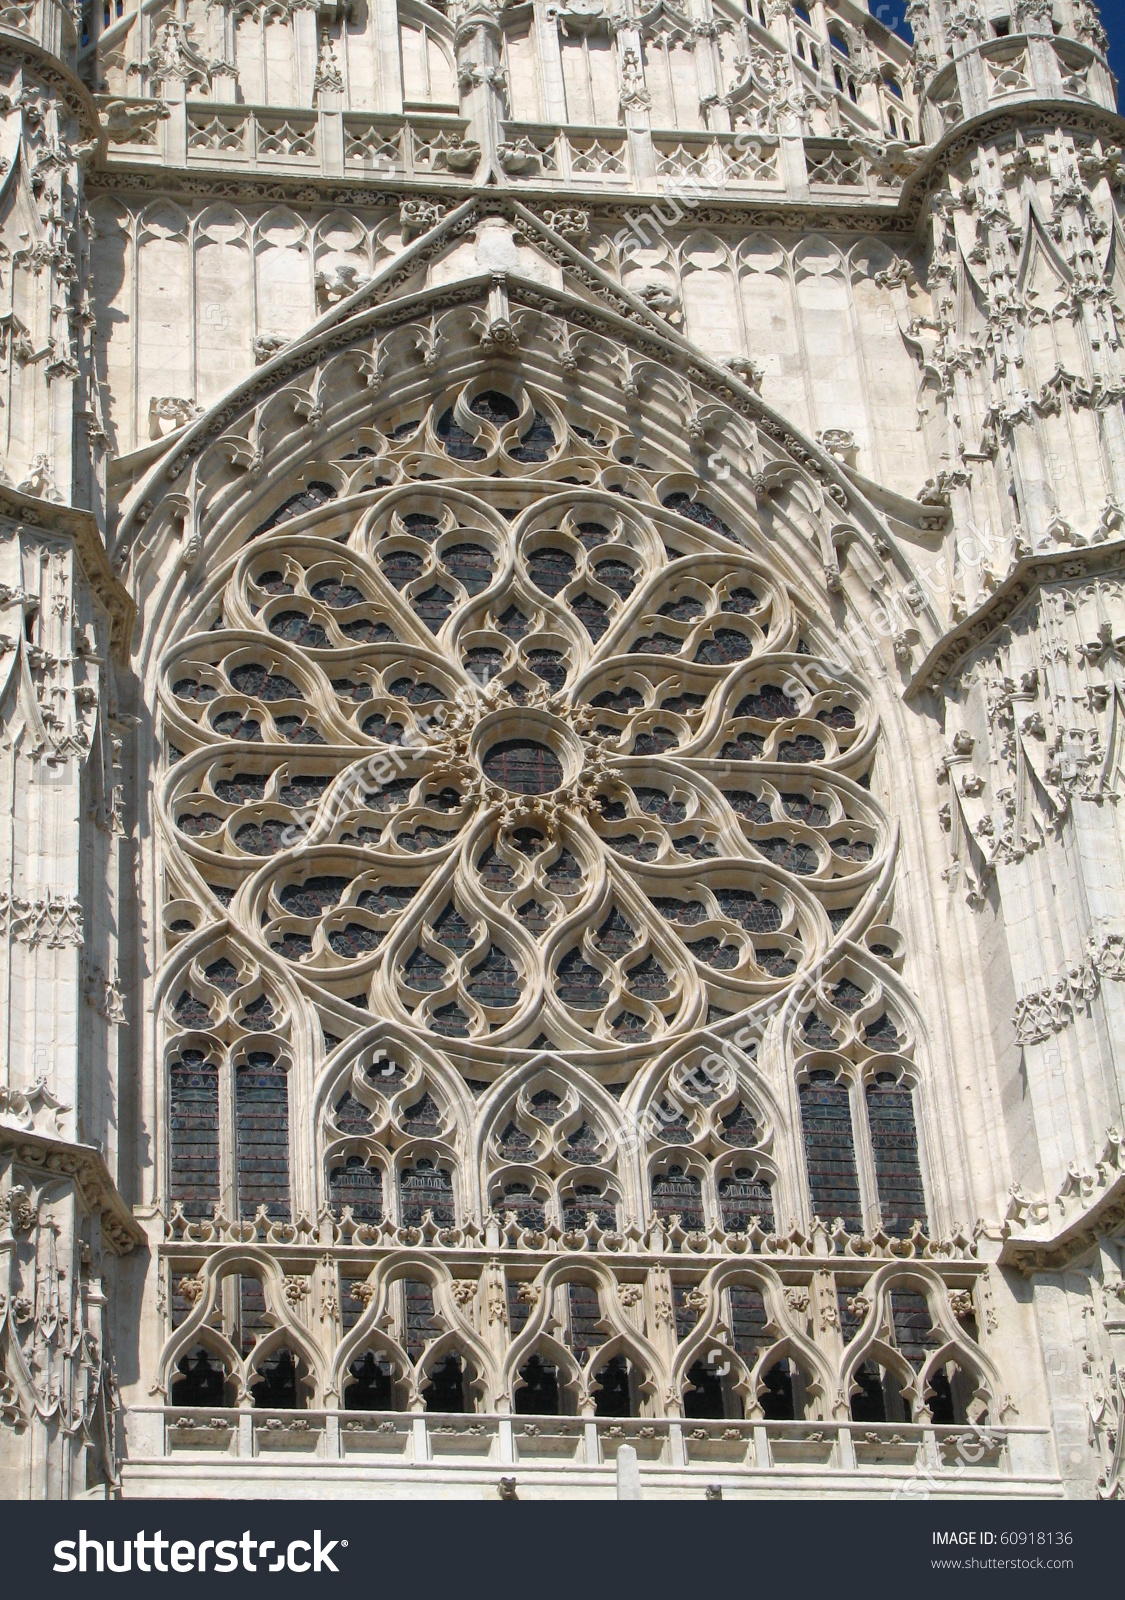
(53, 920)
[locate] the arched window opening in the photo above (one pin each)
(893, 84)
(538, 1393)
(838, 43)
(676, 1193)
(826, 1121)
(426, 1186)
(372, 1384)
(950, 1394)
(703, 1393)
(202, 1379)
(446, 1391)
(518, 1199)
(262, 1135)
(894, 1146)
(852, 95)
(745, 1196)
(193, 1091)
(778, 1401)
(585, 1200)
(838, 78)
(783, 1396)
(814, 56)
(357, 1184)
(870, 1393)
(801, 46)
(893, 125)
(278, 1386)
(615, 1396)
(939, 1397)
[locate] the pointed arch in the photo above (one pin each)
(234, 1261)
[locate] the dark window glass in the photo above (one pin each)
(704, 1398)
(748, 1322)
(539, 1395)
(194, 1097)
(446, 1391)
(523, 766)
(425, 1187)
(262, 1130)
(357, 1185)
(613, 1398)
(276, 1388)
(743, 1195)
(201, 1380)
(585, 1316)
(826, 1121)
(894, 1144)
(372, 1389)
(676, 1192)
(915, 1334)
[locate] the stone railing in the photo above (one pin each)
(1023, 66)
(692, 167)
(715, 160)
(47, 22)
(665, 1235)
(943, 1459)
(256, 139)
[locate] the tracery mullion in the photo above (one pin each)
(864, 1155)
(228, 1136)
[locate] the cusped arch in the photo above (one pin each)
(624, 1339)
(788, 1340)
(236, 1261)
(952, 1344)
(457, 1335)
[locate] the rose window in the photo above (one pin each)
(526, 750)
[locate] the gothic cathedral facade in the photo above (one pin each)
(562, 643)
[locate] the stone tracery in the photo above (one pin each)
(528, 756)
(507, 1003)
(556, 770)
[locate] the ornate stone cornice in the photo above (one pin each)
(1045, 1236)
(44, 517)
(612, 209)
(17, 50)
(59, 1158)
(1028, 575)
